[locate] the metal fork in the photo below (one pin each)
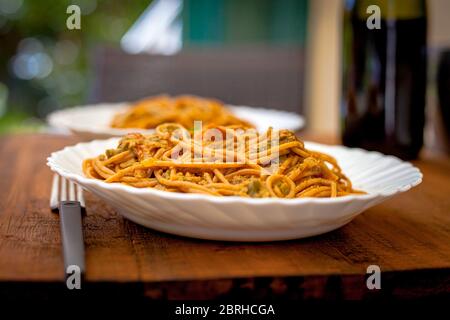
(67, 199)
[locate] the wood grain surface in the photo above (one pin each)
(408, 237)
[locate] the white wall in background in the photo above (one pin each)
(323, 60)
(158, 30)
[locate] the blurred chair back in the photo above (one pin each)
(260, 77)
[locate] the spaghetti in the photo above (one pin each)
(247, 165)
(153, 111)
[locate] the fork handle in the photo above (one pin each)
(72, 234)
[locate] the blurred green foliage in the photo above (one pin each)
(36, 30)
(45, 67)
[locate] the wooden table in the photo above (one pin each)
(408, 237)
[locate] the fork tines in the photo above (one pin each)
(63, 190)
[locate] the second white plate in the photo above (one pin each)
(92, 121)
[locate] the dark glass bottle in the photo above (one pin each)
(384, 77)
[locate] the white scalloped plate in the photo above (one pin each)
(92, 121)
(244, 219)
